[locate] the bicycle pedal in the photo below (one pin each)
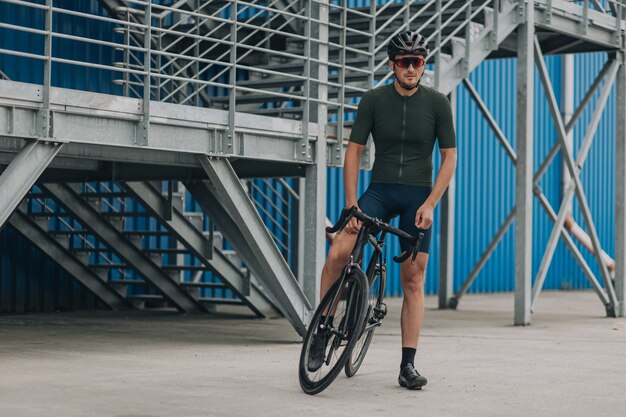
(380, 311)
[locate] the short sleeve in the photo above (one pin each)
(364, 120)
(446, 136)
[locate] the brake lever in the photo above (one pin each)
(404, 256)
(344, 218)
(416, 248)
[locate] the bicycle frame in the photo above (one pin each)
(363, 238)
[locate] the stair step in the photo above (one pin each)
(146, 232)
(184, 268)
(203, 284)
(166, 250)
(125, 214)
(223, 301)
(128, 282)
(89, 250)
(108, 266)
(104, 194)
(58, 233)
(148, 300)
(47, 215)
(146, 297)
(233, 256)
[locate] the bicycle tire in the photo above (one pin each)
(356, 302)
(357, 355)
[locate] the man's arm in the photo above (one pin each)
(424, 216)
(351, 179)
(351, 171)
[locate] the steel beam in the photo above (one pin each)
(227, 202)
(491, 120)
(22, 173)
(101, 120)
(620, 188)
(67, 261)
(525, 150)
(446, 260)
(314, 204)
(128, 252)
(568, 18)
(199, 246)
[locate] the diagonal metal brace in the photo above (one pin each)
(250, 237)
(22, 173)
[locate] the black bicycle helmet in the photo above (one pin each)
(405, 43)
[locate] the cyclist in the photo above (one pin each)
(405, 119)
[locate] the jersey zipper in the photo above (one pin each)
(402, 137)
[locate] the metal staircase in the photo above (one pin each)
(225, 100)
(96, 228)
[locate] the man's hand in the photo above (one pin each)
(424, 216)
(353, 225)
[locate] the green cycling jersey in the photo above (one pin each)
(404, 130)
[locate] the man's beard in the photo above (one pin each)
(408, 86)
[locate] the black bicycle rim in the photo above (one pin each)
(352, 310)
(355, 360)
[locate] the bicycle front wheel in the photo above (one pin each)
(346, 303)
(370, 322)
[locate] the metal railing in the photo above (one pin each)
(214, 53)
(277, 201)
(276, 57)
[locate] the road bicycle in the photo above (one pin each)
(343, 324)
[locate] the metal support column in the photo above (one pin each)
(446, 261)
(22, 173)
(567, 110)
(524, 178)
(144, 127)
(229, 145)
(314, 204)
(43, 124)
(620, 188)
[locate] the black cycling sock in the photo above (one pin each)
(408, 356)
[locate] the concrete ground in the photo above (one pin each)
(570, 362)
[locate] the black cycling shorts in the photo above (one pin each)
(386, 201)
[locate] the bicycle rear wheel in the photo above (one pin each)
(348, 300)
(375, 299)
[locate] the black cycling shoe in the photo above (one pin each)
(410, 378)
(318, 350)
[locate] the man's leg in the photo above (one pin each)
(412, 278)
(337, 258)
